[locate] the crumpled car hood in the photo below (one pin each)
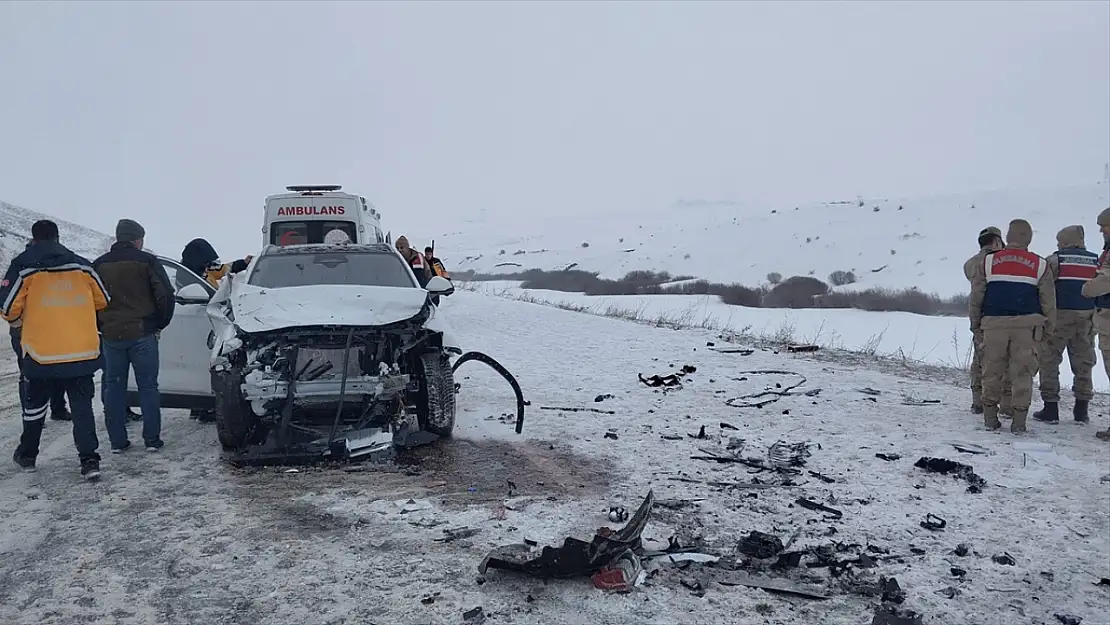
(259, 309)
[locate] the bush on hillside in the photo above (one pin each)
(889, 300)
(842, 278)
(774, 277)
(795, 292)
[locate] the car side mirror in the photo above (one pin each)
(439, 285)
(192, 294)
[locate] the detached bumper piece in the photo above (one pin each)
(372, 445)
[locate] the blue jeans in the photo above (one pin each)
(119, 357)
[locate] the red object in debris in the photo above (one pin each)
(612, 580)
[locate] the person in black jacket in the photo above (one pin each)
(201, 258)
(141, 306)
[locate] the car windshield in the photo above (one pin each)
(359, 268)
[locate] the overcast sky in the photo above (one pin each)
(186, 115)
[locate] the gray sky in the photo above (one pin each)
(185, 115)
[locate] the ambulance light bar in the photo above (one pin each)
(314, 187)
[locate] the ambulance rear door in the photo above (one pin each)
(301, 219)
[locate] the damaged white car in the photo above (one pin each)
(323, 351)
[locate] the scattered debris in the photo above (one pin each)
(1068, 619)
(773, 395)
(802, 348)
(910, 401)
(957, 572)
(760, 545)
(617, 514)
(969, 448)
(601, 398)
(962, 550)
(869, 391)
(934, 522)
(451, 535)
(824, 478)
(957, 469)
(670, 380)
(813, 505)
(782, 454)
(1004, 559)
(475, 616)
(728, 426)
(893, 615)
(740, 578)
(950, 592)
(889, 457)
(731, 349)
(678, 504)
(575, 558)
(700, 435)
(892, 592)
(611, 435)
(571, 409)
(620, 576)
(1105, 581)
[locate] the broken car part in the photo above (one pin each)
(754, 400)
(503, 372)
(934, 522)
(956, 469)
(813, 505)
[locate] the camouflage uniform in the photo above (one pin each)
(1070, 267)
(971, 267)
(1098, 289)
(1014, 312)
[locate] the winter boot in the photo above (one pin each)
(1049, 414)
(990, 418)
(976, 408)
(1018, 424)
(1080, 411)
(90, 469)
(1004, 409)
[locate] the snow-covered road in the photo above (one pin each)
(178, 537)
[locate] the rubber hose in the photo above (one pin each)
(496, 366)
(342, 388)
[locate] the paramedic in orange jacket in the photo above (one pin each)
(56, 294)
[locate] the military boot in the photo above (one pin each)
(990, 418)
(1080, 411)
(1018, 424)
(1049, 414)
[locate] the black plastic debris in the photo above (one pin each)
(888, 457)
(824, 478)
(1004, 559)
(802, 348)
(760, 545)
(869, 391)
(969, 448)
(951, 592)
(728, 426)
(958, 572)
(813, 505)
(1049, 575)
(601, 398)
(934, 522)
(575, 558)
(893, 615)
(962, 549)
(956, 469)
(574, 409)
(1068, 619)
(789, 559)
(741, 578)
(783, 454)
(892, 592)
(1105, 581)
(475, 616)
(611, 435)
(769, 395)
(700, 435)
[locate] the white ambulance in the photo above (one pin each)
(308, 213)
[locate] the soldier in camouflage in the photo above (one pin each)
(990, 241)
(1099, 290)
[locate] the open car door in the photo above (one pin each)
(183, 355)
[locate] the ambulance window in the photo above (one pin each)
(345, 226)
(289, 233)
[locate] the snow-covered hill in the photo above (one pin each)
(15, 231)
(887, 242)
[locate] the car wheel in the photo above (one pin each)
(435, 406)
(234, 418)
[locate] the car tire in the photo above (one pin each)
(435, 407)
(234, 418)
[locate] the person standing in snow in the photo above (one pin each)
(201, 258)
(990, 241)
(56, 294)
(415, 260)
(141, 307)
(1071, 267)
(1013, 303)
(1098, 289)
(58, 410)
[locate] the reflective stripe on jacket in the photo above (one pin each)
(56, 294)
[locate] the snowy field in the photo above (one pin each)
(937, 341)
(887, 242)
(180, 538)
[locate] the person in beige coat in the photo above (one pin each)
(1013, 303)
(1098, 289)
(990, 241)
